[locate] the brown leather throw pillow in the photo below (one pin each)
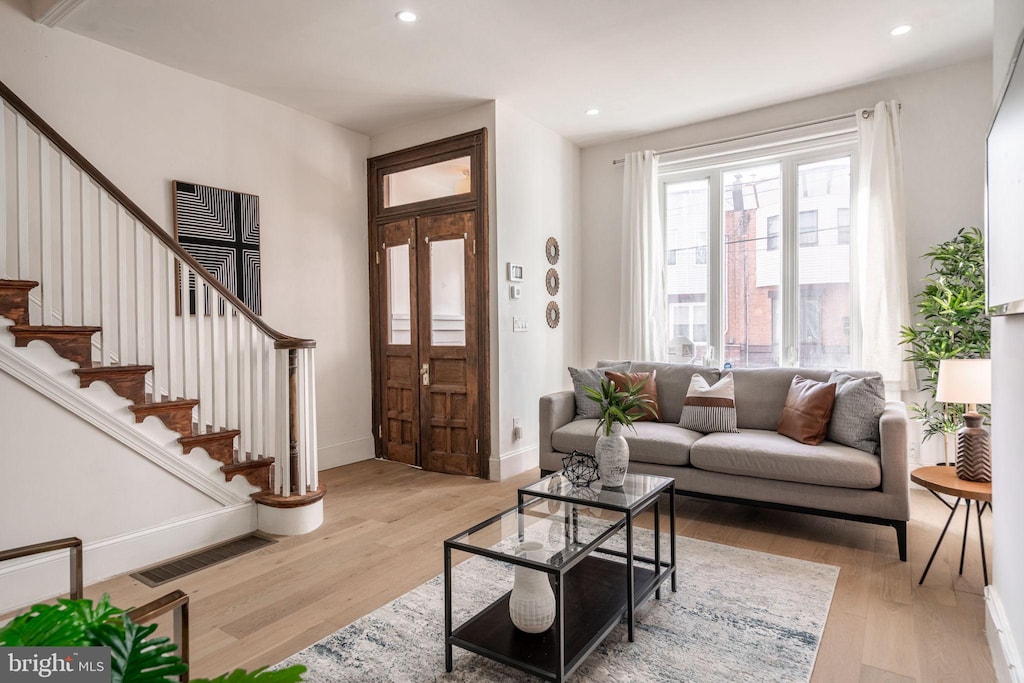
(808, 410)
(624, 380)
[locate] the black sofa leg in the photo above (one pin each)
(901, 538)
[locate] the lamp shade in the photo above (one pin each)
(964, 380)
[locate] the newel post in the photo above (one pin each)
(293, 420)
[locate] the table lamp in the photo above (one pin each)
(969, 380)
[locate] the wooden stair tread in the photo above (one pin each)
(96, 371)
(156, 406)
(196, 439)
(294, 501)
(71, 342)
(18, 284)
(55, 329)
(246, 466)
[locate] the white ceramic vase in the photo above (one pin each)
(612, 453)
(532, 603)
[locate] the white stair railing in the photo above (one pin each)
(101, 261)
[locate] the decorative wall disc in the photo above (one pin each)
(553, 315)
(551, 250)
(551, 281)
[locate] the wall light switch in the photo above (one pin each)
(515, 291)
(517, 429)
(518, 324)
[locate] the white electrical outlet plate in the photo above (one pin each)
(518, 324)
(515, 291)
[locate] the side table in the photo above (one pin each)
(939, 479)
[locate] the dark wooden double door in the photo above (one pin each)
(427, 311)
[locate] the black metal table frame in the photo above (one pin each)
(565, 669)
(662, 569)
(980, 507)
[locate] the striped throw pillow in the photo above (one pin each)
(709, 409)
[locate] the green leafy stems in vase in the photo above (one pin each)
(620, 406)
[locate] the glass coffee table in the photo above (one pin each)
(637, 493)
(591, 592)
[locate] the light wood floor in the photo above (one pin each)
(385, 524)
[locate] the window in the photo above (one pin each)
(770, 281)
(773, 233)
(808, 228)
(843, 225)
(670, 258)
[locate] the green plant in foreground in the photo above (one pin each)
(619, 406)
(953, 322)
(135, 656)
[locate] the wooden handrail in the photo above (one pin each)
(177, 601)
(75, 556)
(281, 341)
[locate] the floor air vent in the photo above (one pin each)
(201, 559)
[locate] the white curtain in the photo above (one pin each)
(880, 257)
(643, 320)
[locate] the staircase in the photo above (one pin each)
(84, 270)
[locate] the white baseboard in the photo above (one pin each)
(26, 581)
(345, 453)
(1005, 656)
(511, 463)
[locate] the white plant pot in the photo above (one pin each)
(532, 603)
(612, 453)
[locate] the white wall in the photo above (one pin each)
(144, 125)
(538, 198)
(945, 118)
(1007, 407)
(70, 479)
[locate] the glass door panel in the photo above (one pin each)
(433, 181)
(399, 314)
(751, 231)
(448, 292)
(824, 223)
(687, 216)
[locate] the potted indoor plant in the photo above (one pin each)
(952, 322)
(620, 407)
(135, 656)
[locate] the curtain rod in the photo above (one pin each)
(866, 113)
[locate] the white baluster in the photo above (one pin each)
(314, 454)
(23, 208)
(270, 401)
(141, 356)
(245, 402)
(187, 337)
(157, 298)
(231, 355)
(106, 315)
(66, 289)
(267, 350)
(202, 355)
(283, 419)
(304, 424)
(3, 191)
(175, 366)
(45, 232)
(86, 227)
(257, 391)
(123, 293)
(217, 357)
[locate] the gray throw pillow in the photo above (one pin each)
(590, 377)
(857, 409)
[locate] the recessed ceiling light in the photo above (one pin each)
(592, 111)
(406, 15)
(901, 30)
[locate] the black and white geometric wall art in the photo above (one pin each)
(221, 230)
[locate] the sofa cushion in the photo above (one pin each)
(654, 442)
(673, 381)
(649, 389)
(769, 455)
(708, 409)
(761, 393)
(859, 405)
(807, 411)
(590, 377)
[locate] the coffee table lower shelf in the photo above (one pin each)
(594, 600)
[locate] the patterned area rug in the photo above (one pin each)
(739, 615)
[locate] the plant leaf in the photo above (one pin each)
(292, 674)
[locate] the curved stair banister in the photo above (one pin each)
(106, 269)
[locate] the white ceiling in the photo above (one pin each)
(647, 64)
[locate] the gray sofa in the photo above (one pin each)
(756, 466)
